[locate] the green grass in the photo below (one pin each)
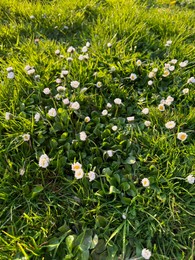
(47, 213)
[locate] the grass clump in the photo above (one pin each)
(97, 130)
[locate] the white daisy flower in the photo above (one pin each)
(79, 174)
(168, 43)
(145, 111)
(171, 68)
(37, 77)
(10, 75)
(58, 81)
(191, 80)
(167, 66)
(70, 49)
(81, 57)
(64, 73)
(46, 91)
(108, 105)
(91, 176)
(161, 107)
(182, 136)
(99, 84)
(75, 84)
(173, 61)
(150, 82)
(58, 96)
(44, 161)
(57, 52)
(151, 74)
(74, 105)
(169, 100)
(66, 101)
(154, 70)
(104, 112)
(61, 89)
(145, 182)
(146, 253)
(87, 119)
(138, 63)
(22, 171)
(110, 153)
(170, 124)
(37, 117)
(26, 137)
(76, 166)
(83, 136)
(84, 49)
(133, 76)
(8, 116)
(9, 69)
(185, 91)
(190, 179)
(114, 127)
(147, 123)
(52, 112)
(69, 59)
(31, 71)
(124, 215)
(130, 118)
(27, 67)
(183, 63)
(117, 101)
(166, 73)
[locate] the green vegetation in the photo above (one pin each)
(120, 102)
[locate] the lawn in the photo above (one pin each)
(97, 129)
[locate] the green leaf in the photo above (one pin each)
(115, 232)
(100, 247)
(64, 228)
(84, 255)
(112, 251)
(64, 135)
(125, 186)
(87, 240)
(94, 241)
(125, 200)
(113, 190)
(53, 143)
(53, 244)
(107, 171)
(130, 160)
(101, 221)
(117, 178)
(36, 190)
(106, 133)
(83, 241)
(69, 242)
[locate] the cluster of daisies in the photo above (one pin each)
(61, 95)
(79, 173)
(182, 136)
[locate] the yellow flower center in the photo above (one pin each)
(76, 167)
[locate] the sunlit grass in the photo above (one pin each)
(135, 186)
